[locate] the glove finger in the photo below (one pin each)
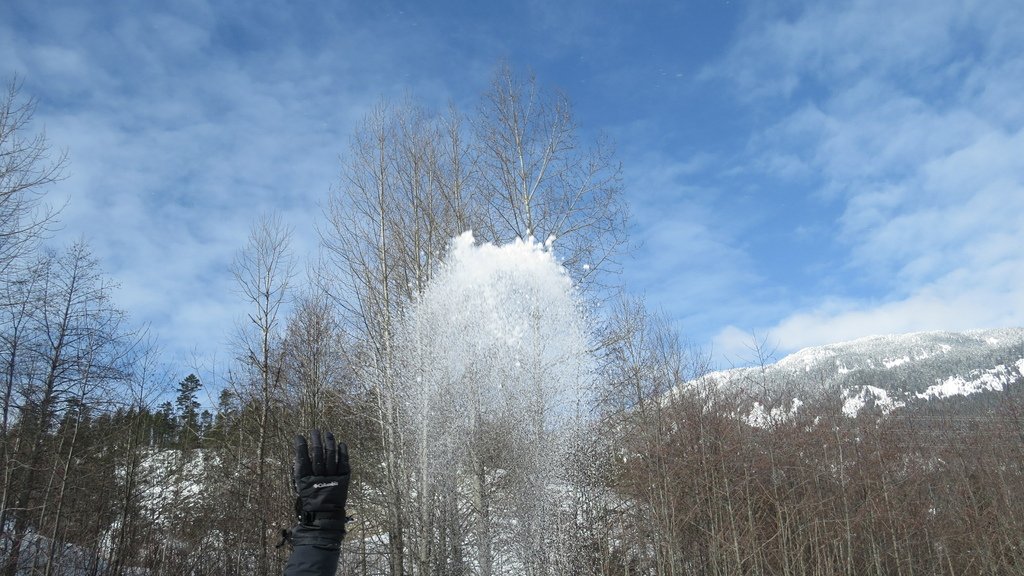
(331, 468)
(318, 454)
(343, 467)
(302, 467)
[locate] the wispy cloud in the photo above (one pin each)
(835, 170)
(185, 122)
(687, 261)
(897, 110)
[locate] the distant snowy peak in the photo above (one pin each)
(890, 351)
(887, 372)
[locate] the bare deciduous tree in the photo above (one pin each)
(80, 345)
(536, 178)
(263, 271)
(27, 167)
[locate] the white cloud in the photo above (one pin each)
(961, 300)
(905, 113)
(185, 121)
(949, 305)
(782, 49)
(179, 139)
(686, 259)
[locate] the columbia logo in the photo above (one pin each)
(325, 485)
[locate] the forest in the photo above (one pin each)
(508, 409)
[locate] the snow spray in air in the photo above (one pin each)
(496, 377)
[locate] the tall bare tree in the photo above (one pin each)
(27, 167)
(315, 360)
(402, 198)
(263, 272)
(538, 179)
(80, 345)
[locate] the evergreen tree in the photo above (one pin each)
(163, 428)
(188, 412)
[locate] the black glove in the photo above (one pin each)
(322, 484)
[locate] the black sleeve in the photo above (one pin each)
(315, 552)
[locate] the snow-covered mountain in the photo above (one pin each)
(888, 372)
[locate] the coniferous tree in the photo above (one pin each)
(188, 412)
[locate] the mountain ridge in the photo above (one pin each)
(888, 371)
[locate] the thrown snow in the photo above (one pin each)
(498, 337)
(496, 341)
(498, 318)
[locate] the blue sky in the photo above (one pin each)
(809, 172)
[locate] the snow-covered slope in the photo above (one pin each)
(887, 372)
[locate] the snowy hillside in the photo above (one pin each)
(888, 372)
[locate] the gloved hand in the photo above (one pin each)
(321, 483)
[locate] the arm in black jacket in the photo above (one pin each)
(315, 552)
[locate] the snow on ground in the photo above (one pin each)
(896, 362)
(977, 381)
(853, 402)
(170, 479)
(759, 417)
(806, 358)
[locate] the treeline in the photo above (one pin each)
(69, 356)
(927, 489)
(479, 466)
(669, 484)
